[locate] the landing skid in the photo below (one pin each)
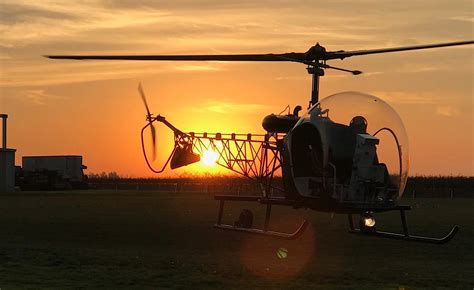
(405, 236)
(300, 230)
(289, 236)
(265, 231)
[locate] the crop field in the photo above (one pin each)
(127, 239)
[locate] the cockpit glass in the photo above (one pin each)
(379, 119)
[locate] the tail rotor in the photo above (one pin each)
(150, 120)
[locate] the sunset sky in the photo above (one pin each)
(92, 108)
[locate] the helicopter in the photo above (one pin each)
(331, 158)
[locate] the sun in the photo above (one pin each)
(209, 157)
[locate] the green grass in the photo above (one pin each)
(155, 240)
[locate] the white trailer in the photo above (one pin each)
(66, 168)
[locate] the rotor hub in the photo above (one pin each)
(315, 53)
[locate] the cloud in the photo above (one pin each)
(294, 78)
(231, 108)
(32, 28)
(197, 68)
(40, 96)
(70, 21)
(4, 56)
(463, 18)
(421, 68)
(13, 12)
(447, 111)
(409, 98)
(50, 72)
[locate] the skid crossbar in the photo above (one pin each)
(405, 235)
(265, 231)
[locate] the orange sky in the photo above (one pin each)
(93, 109)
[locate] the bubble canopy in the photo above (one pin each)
(382, 121)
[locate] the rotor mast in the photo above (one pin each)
(316, 72)
(314, 54)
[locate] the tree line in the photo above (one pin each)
(417, 186)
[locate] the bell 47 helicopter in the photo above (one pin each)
(335, 158)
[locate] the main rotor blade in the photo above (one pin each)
(295, 57)
(142, 94)
(343, 54)
(315, 53)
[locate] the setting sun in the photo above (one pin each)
(209, 157)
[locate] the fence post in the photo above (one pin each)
(452, 193)
(413, 194)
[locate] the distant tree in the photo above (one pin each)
(104, 175)
(113, 175)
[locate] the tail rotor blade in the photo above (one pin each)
(149, 117)
(153, 141)
(142, 94)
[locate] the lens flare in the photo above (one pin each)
(292, 257)
(282, 253)
(209, 157)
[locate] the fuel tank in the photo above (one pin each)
(279, 123)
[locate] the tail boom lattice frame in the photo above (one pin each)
(256, 156)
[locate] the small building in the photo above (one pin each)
(7, 161)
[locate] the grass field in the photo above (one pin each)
(156, 240)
